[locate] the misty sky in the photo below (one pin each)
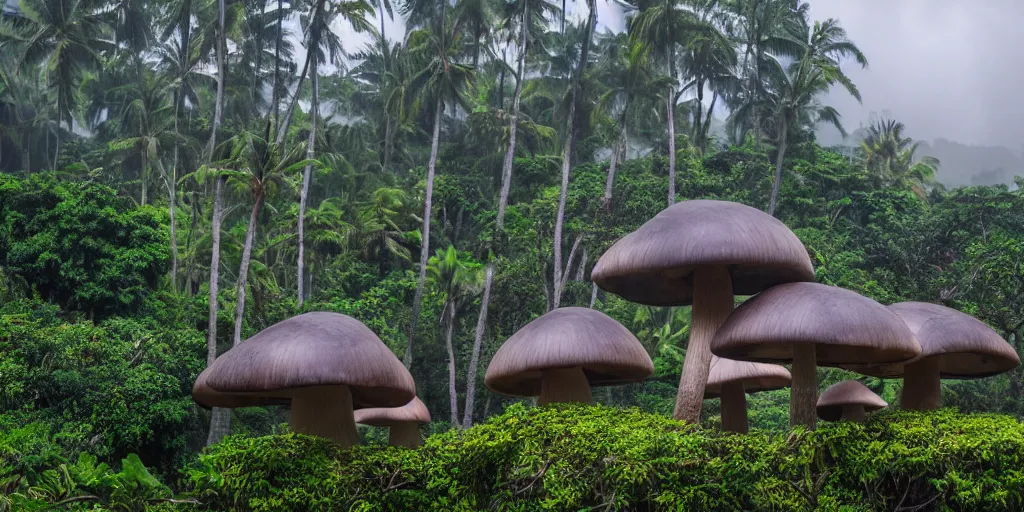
(946, 68)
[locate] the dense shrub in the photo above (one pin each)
(590, 458)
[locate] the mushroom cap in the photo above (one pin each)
(847, 392)
(754, 376)
(312, 349)
(567, 338)
(846, 328)
(412, 412)
(965, 346)
(654, 265)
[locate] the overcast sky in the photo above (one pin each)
(946, 68)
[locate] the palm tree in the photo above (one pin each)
(526, 11)
(385, 74)
(440, 80)
(67, 37)
(458, 281)
(893, 157)
(708, 61)
(558, 281)
(380, 235)
(324, 46)
(794, 92)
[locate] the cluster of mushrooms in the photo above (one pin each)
(335, 372)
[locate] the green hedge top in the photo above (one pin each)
(599, 458)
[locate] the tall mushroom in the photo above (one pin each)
(322, 364)
(403, 422)
(731, 381)
(953, 346)
(812, 324)
(849, 400)
(561, 354)
(703, 253)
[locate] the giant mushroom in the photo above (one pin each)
(954, 345)
(403, 423)
(731, 381)
(702, 252)
(812, 324)
(560, 355)
(849, 400)
(322, 364)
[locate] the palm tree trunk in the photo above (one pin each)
(499, 227)
(243, 269)
(707, 119)
(593, 294)
(276, 94)
(220, 420)
(777, 183)
(314, 111)
(283, 128)
(610, 182)
(670, 109)
(453, 396)
(218, 112)
(417, 300)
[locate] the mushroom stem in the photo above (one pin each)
(804, 392)
(324, 411)
(855, 413)
(734, 408)
(922, 390)
(564, 385)
(712, 303)
(406, 434)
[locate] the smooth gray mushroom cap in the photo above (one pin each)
(845, 327)
(312, 349)
(412, 412)
(847, 392)
(654, 265)
(754, 376)
(965, 346)
(568, 338)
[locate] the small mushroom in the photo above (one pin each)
(812, 324)
(849, 400)
(953, 346)
(561, 354)
(731, 381)
(322, 364)
(403, 422)
(702, 252)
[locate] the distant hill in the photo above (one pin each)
(964, 164)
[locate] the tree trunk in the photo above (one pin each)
(220, 420)
(453, 394)
(282, 129)
(243, 269)
(593, 294)
(773, 202)
(417, 300)
(567, 154)
(218, 112)
(499, 226)
(171, 195)
(707, 121)
(712, 303)
(307, 177)
(670, 109)
(610, 182)
(276, 94)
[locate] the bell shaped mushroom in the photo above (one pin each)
(702, 252)
(812, 324)
(561, 354)
(731, 381)
(403, 422)
(849, 400)
(953, 346)
(322, 364)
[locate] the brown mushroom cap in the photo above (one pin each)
(654, 264)
(412, 412)
(312, 349)
(965, 346)
(847, 392)
(845, 327)
(568, 338)
(754, 376)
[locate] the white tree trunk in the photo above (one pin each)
(220, 420)
(243, 269)
(609, 184)
(453, 394)
(417, 300)
(218, 111)
(307, 177)
(773, 202)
